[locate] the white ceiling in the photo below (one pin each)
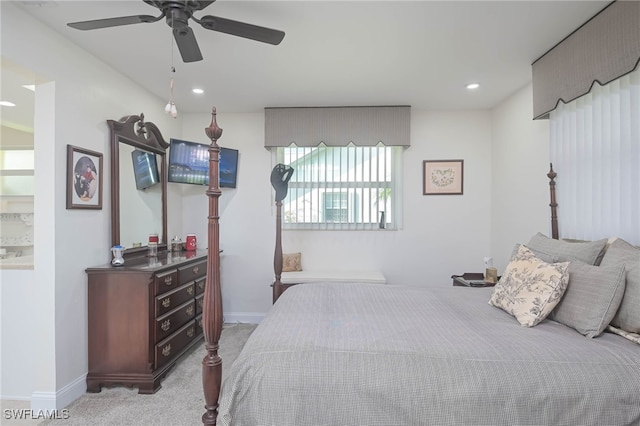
(418, 53)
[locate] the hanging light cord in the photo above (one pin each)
(170, 108)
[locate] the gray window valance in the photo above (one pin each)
(337, 126)
(602, 50)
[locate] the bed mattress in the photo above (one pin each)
(357, 354)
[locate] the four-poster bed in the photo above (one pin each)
(212, 306)
(397, 355)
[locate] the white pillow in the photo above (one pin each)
(530, 288)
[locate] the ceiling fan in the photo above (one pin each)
(177, 14)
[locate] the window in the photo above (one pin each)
(16, 172)
(342, 187)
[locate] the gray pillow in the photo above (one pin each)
(587, 252)
(592, 297)
(545, 257)
(621, 252)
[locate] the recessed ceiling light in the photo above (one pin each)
(198, 91)
(7, 103)
(31, 87)
(472, 86)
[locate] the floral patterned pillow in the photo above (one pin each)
(291, 262)
(530, 288)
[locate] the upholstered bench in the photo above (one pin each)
(289, 279)
(299, 277)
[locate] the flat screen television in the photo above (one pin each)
(189, 163)
(145, 169)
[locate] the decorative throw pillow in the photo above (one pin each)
(628, 316)
(530, 288)
(291, 262)
(588, 252)
(592, 297)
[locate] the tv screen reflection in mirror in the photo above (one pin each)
(145, 169)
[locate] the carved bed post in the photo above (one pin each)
(277, 255)
(212, 308)
(554, 213)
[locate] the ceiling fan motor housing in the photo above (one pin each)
(177, 14)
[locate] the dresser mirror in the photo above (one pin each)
(138, 184)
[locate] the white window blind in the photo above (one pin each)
(345, 188)
(595, 149)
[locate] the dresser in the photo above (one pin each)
(143, 316)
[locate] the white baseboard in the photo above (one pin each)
(59, 399)
(243, 317)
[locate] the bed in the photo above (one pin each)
(352, 353)
(387, 355)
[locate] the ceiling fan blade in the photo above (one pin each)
(241, 29)
(187, 44)
(114, 22)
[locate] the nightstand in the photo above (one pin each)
(471, 279)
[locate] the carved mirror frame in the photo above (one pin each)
(134, 131)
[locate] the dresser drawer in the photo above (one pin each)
(167, 301)
(200, 283)
(165, 281)
(199, 304)
(171, 321)
(172, 345)
(192, 272)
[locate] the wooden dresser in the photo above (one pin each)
(142, 317)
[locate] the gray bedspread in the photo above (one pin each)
(366, 354)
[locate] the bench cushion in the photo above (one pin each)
(298, 277)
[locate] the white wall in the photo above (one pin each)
(71, 109)
(520, 187)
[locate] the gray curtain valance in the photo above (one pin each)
(603, 49)
(337, 126)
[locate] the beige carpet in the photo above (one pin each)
(180, 401)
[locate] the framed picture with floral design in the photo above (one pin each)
(442, 177)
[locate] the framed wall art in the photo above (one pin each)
(84, 178)
(442, 177)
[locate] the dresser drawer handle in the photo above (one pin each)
(200, 322)
(166, 351)
(201, 284)
(168, 280)
(190, 310)
(166, 325)
(195, 270)
(200, 303)
(190, 291)
(190, 332)
(166, 302)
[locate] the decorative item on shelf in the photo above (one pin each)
(153, 245)
(383, 221)
(176, 244)
(117, 260)
(191, 243)
(491, 275)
